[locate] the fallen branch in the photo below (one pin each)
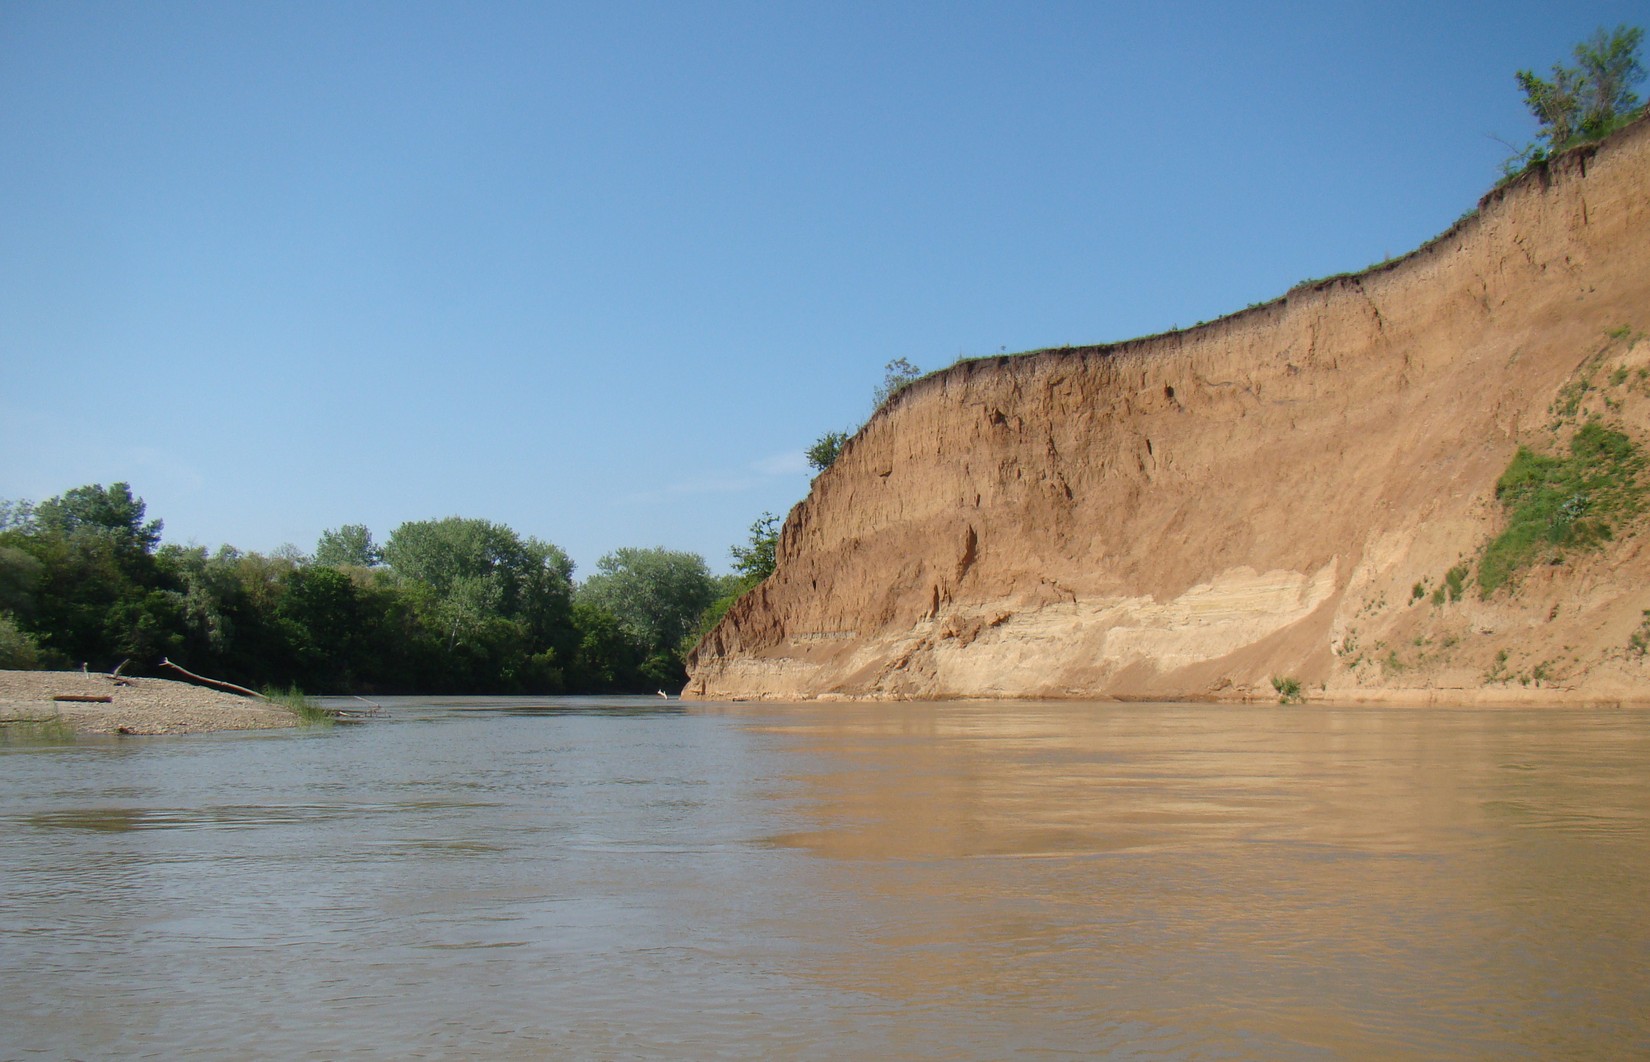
(87, 698)
(372, 711)
(115, 676)
(216, 683)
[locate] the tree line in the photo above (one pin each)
(454, 605)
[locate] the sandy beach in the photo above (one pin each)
(136, 706)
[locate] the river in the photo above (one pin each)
(631, 878)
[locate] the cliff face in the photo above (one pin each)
(1276, 494)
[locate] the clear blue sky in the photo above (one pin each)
(602, 271)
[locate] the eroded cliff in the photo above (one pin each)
(1277, 494)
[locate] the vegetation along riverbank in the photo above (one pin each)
(449, 605)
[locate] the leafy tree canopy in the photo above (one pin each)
(755, 560)
(475, 572)
(20, 575)
(1588, 100)
(826, 449)
(897, 376)
(347, 546)
(452, 555)
(18, 650)
(16, 515)
(458, 605)
(111, 512)
(656, 594)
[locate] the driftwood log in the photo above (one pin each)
(215, 683)
(373, 709)
(88, 698)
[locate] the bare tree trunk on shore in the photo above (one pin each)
(203, 680)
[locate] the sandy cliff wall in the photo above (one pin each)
(1192, 514)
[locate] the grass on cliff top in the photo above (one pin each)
(1562, 502)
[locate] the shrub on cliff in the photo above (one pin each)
(754, 561)
(823, 453)
(1556, 503)
(897, 375)
(1586, 101)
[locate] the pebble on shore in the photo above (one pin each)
(136, 705)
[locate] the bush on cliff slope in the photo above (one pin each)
(1586, 101)
(1557, 502)
(823, 453)
(897, 375)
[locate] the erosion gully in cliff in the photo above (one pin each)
(1300, 490)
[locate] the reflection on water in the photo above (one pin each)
(629, 878)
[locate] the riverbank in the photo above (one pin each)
(135, 706)
(1305, 492)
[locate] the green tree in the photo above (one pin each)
(755, 560)
(94, 594)
(18, 650)
(656, 594)
(1588, 100)
(20, 576)
(897, 376)
(1610, 67)
(323, 621)
(826, 449)
(752, 563)
(350, 545)
(499, 605)
(477, 569)
(603, 659)
(109, 512)
(729, 588)
(16, 515)
(231, 602)
(210, 589)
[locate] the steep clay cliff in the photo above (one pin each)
(1275, 494)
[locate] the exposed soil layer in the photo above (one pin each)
(1280, 494)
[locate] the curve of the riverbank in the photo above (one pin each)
(135, 705)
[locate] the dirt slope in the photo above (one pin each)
(1279, 493)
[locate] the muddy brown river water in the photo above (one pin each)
(627, 878)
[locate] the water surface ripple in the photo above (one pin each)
(625, 878)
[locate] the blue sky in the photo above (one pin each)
(602, 271)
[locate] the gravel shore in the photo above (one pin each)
(142, 706)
